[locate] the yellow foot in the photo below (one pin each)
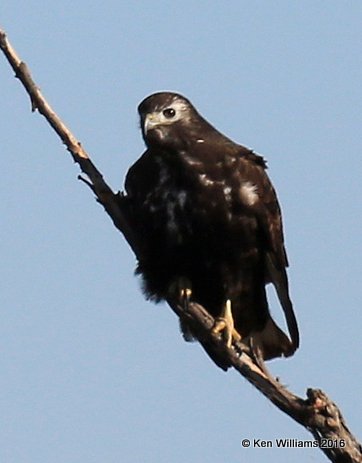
(225, 325)
(180, 288)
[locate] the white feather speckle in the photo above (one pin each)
(227, 193)
(249, 193)
(204, 180)
(192, 161)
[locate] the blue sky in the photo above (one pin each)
(89, 371)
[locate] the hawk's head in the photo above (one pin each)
(169, 120)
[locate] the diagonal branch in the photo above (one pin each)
(317, 413)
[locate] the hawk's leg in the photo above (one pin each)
(181, 289)
(225, 325)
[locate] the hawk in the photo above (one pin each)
(210, 225)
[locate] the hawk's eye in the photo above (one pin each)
(169, 113)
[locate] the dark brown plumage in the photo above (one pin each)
(207, 213)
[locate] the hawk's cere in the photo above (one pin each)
(210, 225)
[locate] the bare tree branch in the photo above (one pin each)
(317, 413)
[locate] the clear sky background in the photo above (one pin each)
(89, 371)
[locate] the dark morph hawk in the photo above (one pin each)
(210, 224)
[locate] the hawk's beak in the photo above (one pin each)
(151, 121)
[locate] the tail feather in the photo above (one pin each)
(271, 341)
(280, 281)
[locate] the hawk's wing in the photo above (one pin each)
(268, 214)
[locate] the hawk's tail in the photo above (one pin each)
(280, 282)
(270, 342)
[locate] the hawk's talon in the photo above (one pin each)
(225, 325)
(181, 289)
(185, 296)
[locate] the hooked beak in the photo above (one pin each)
(151, 121)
